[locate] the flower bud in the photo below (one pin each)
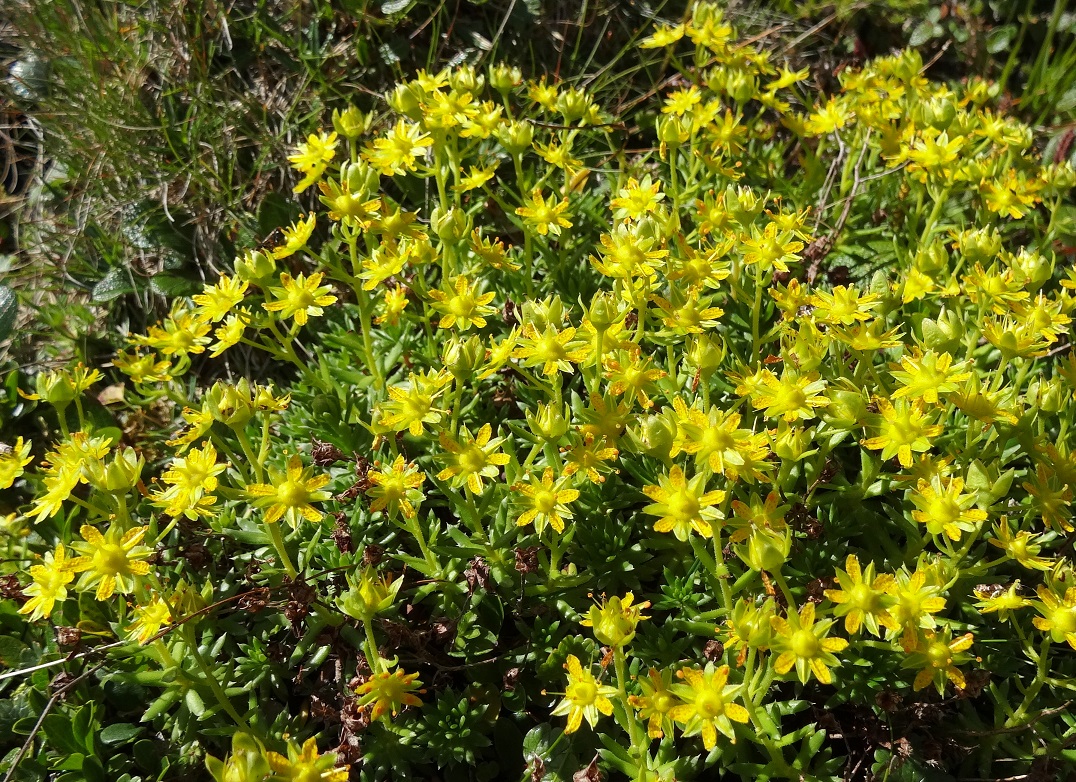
(57, 388)
(540, 314)
(606, 310)
(515, 137)
(119, 475)
(705, 353)
(464, 357)
(369, 595)
(549, 422)
(741, 86)
(979, 245)
(504, 78)
(1032, 268)
(451, 225)
(466, 79)
(793, 443)
(232, 405)
(256, 266)
(766, 549)
(573, 105)
(934, 259)
(351, 123)
(847, 408)
(405, 100)
(671, 130)
(1047, 395)
(655, 434)
(938, 111)
(614, 622)
(945, 334)
(750, 624)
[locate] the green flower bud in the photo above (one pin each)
(1048, 395)
(572, 104)
(464, 357)
(606, 310)
(938, 111)
(515, 137)
(451, 225)
(705, 353)
(671, 130)
(232, 405)
(57, 388)
(548, 422)
(1032, 268)
(369, 595)
(655, 434)
(504, 78)
(979, 245)
(548, 312)
(847, 408)
(766, 549)
(934, 259)
(255, 267)
(405, 99)
(246, 763)
(351, 123)
(944, 334)
(793, 443)
(119, 475)
(465, 79)
(741, 86)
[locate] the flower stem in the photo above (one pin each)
(281, 551)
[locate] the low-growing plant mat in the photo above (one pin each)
(722, 432)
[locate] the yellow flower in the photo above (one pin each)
(926, 375)
(290, 494)
(655, 703)
(943, 507)
(554, 350)
(614, 622)
(862, 599)
(583, 697)
(12, 460)
(149, 619)
(844, 305)
(396, 489)
(547, 501)
(1058, 614)
(663, 35)
(903, 429)
(112, 561)
(637, 199)
(545, 218)
(182, 333)
(475, 179)
(218, 300)
(995, 599)
(389, 692)
(300, 297)
(471, 459)
(590, 455)
(631, 374)
(708, 706)
(312, 157)
(296, 236)
(192, 481)
(50, 584)
(398, 152)
(793, 397)
(1023, 548)
(937, 655)
(803, 643)
(683, 504)
(409, 407)
(306, 765)
(462, 305)
(916, 602)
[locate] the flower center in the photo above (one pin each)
(293, 494)
(709, 705)
(804, 644)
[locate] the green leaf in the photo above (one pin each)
(390, 7)
(172, 287)
(120, 733)
(922, 33)
(194, 702)
(161, 705)
(113, 285)
(58, 730)
(9, 309)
